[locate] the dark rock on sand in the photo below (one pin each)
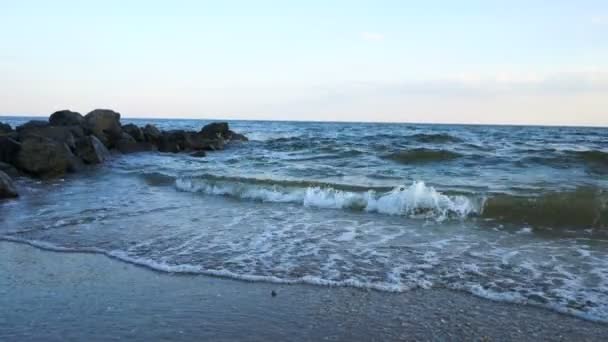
(91, 150)
(152, 134)
(5, 128)
(66, 118)
(134, 131)
(7, 188)
(33, 124)
(105, 125)
(43, 157)
(9, 148)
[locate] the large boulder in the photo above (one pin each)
(66, 118)
(127, 144)
(179, 140)
(134, 131)
(220, 130)
(105, 125)
(172, 141)
(199, 141)
(9, 148)
(44, 157)
(152, 134)
(91, 150)
(33, 124)
(5, 128)
(59, 134)
(7, 188)
(215, 130)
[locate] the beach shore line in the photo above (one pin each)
(50, 296)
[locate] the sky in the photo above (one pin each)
(499, 62)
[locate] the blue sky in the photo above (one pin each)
(541, 62)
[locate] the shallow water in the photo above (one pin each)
(508, 213)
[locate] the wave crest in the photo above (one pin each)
(416, 200)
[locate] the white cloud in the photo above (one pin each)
(372, 36)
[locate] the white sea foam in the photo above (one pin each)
(416, 200)
(399, 279)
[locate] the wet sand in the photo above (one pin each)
(54, 296)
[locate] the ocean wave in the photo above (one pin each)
(596, 161)
(593, 157)
(435, 138)
(583, 207)
(416, 200)
(422, 155)
(579, 208)
(157, 178)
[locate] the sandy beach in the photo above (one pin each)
(54, 296)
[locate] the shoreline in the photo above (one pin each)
(191, 270)
(53, 295)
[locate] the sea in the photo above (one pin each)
(508, 213)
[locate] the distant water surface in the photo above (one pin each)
(505, 212)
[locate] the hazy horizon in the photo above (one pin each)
(471, 62)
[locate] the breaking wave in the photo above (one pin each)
(416, 200)
(579, 208)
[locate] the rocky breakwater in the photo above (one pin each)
(68, 140)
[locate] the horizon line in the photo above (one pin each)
(338, 121)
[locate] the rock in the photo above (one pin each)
(33, 124)
(44, 157)
(105, 125)
(220, 130)
(237, 136)
(9, 169)
(129, 145)
(5, 128)
(194, 141)
(134, 131)
(213, 144)
(91, 150)
(7, 188)
(179, 140)
(66, 118)
(152, 134)
(59, 134)
(215, 130)
(171, 141)
(8, 150)
(198, 154)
